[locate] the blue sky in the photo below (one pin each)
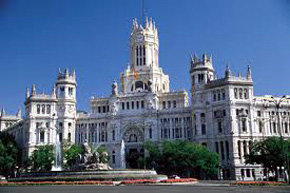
(92, 36)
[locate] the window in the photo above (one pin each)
(219, 95)
(236, 93)
(227, 150)
(224, 95)
(246, 93)
(241, 93)
(274, 127)
(203, 129)
(113, 135)
(222, 150)
(128, 105)
(204, 144)
(242, 173)
(142, 104)
(60, 137)
(174, 104)
(132, 104)
(70, 91)
(259, 113)
(38, 109)
(150, 133)
(248, 173)
(239, 149)
(217, 147)
(137, 104)
(214, 96)
(41, 136)
(123, 105)
(69, 137)
(244, 125)
(43, 109)
(47, 124)
(286, 127)
(48, 109)
(200, 78)
(104, 109)
(220, 127)
(163, 104)
(169, 104)
(99, 109)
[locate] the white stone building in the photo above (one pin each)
(223, 114)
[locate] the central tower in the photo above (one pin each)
(144, 45)
(143, 74)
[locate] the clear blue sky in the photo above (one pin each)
(92, 36)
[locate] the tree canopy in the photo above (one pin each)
(271, 153)
(42, 158)
(8, 153)
(181, 157)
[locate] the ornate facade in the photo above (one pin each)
(224, 115)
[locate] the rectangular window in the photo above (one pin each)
(128, 105)
(217, 147)
(99, 109)
(41, 136)
(142, 104)
(163, 105)
(104, 109)
(137, 104)
(123, 105)
(220, 127)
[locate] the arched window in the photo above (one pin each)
(43, 109)
(236, 93)
(286, 127)
(48, 109)
(246, 96)
(241, 93)
(138, 84)
(38, 109)
(41, 136)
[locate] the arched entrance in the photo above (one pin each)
(133, 138)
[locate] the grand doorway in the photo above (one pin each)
(133, 138)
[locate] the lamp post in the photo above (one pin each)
(277, 103)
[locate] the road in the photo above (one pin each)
(142, 189)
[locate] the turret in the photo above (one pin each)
(201, 71)
(66, 85)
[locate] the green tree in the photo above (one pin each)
(181, 157)
(71, 155)
(42, 158)
(8, 153)
(272, 152)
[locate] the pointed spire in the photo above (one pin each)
(33, 90)
(27, 94)
(2, 112)
(146, 23)
(66, 72)
(204, 57)
(227, 72)
(249, 73)
(74, 73)
(18, 114)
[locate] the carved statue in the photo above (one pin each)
(115, 88)
(91, 160)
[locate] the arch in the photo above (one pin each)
(133, 135)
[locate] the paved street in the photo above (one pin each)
(142, 189)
